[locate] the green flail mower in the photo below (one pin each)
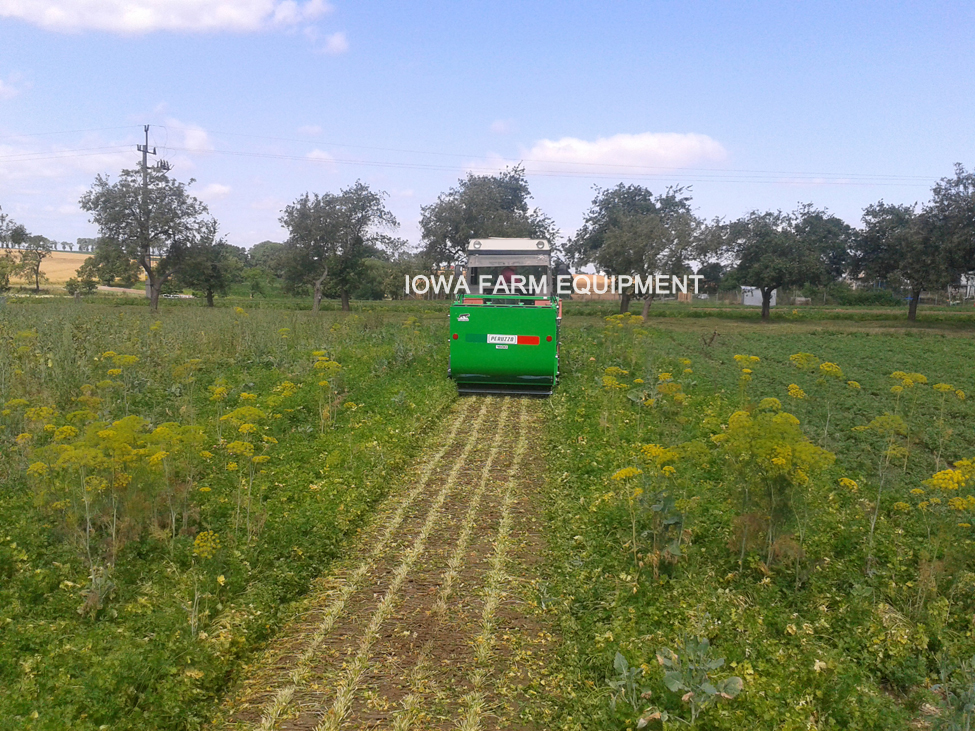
(504, 333)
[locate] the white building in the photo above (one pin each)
(752, 296)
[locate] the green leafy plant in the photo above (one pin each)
(626, 685)
(689, 672)
(958, 690)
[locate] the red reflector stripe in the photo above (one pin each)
(527, 340)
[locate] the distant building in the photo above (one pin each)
(752, 296)
(589, 287)
(963, 289)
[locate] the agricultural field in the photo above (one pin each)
(261, 518)
(58, 267)
(171, 482)
(798, 497)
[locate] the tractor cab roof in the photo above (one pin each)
(509, 253)
(495, 245)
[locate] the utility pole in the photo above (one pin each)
(145, 244)
(163, 166)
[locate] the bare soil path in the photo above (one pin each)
(428, 624)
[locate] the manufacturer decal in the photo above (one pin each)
(504, 339)
(464, 318)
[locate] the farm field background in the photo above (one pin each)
(220, 460)
(58, 266)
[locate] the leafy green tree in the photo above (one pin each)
(33, 251)
(8, 268)
(155, 224)
(85, 244)
(899, 246)
(111, 264)
(481, 206)
(774, 250)
(256, 279)
(18, 236)
(212, 266)
(6, 225)
(831, 237)
(267, 255)
(331, 235)
(712, 274)
(85, 285)
(629, 230)
(951, 214)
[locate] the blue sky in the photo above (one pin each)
(755, 105)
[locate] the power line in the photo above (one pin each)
(52, 154)
(689, 175)
(468, 156)
(65, 132)
(550, 169)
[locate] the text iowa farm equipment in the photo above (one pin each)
(504, 333)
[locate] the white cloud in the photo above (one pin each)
(26, 163)
(490, 164)
(145, 16)
(269, 203)
(335, 44)
(11, 87)
(625, 152)
(312, 130)
(190, 137)
(501, 126)
(320, 155)
(289, 12)
(8, 90)
(214, 191)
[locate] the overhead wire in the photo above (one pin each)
(539, 168)
(689, 175)
(65, 132)
(613, 166)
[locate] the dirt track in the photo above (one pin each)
(424, 628)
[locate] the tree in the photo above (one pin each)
(111, 264)
(830, 236)
(8, 267)
(5, 227)
(155, 223)
(481, 206)
(951, 214)
(899, 245)
(34, 250)
(87, 284)
(212, 266)
(18, 236)
(628, 230)
(712, 273)
(330, 235)
(774, 250)
(267, 255)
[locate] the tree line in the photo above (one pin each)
(913, 248)
(342, 245)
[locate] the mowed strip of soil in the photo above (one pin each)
(426, 626)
